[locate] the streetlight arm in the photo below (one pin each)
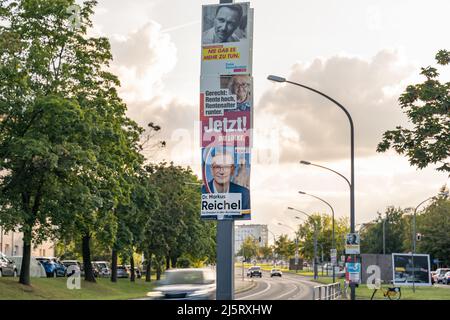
(339, 174)
(329, 205)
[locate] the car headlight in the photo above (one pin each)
(154, 294)
(198, 293)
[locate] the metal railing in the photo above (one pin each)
(327, 291)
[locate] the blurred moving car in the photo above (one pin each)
(52, 266)
(275, 273)
(186, 284)
(72, 266)
(103, 268)
(446, 278)
(440, 273)
(123, 272)
(255, 271)
(7, 266)
(36, 268)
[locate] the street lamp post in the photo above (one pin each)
(315, 239)
(296, 244)
(352, 157)
(274, 241)
(332, 214)
(414, 235)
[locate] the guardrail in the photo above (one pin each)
(327, 291)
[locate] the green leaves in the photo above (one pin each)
(427, 105)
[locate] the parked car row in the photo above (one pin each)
(7, 266)
(441, 275)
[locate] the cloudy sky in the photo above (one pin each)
(362, 53)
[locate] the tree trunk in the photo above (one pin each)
(167, 262)
(159, 263)
(148, 268)
(133, 273)
(88, 271)
(173, 261)
(25, 268)
(114, 265)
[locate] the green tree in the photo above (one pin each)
(427, 107)
(249, 249)
(434, 225)
(395, 228)
(284, 248)
(66, 143)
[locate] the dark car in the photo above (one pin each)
(7, 266)
(53, 268)
(255, 271)
(186, 284)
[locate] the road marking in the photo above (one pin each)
(257, 293)
(285, 294)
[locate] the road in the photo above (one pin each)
(288, 287)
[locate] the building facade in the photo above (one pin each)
(259, 232)
(11, 244)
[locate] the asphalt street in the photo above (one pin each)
(288, 287)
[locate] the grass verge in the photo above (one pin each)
(422, 293)
(56, 289)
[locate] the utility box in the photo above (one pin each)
(298, 266)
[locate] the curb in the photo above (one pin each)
(245, 289)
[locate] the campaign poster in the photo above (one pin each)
(352, 242)
(226, 109)
(227, 39)
(226, 183)
(403, 266)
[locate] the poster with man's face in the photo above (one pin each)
(406, 271)
(226, 109)
(227, 39)
(226, 183)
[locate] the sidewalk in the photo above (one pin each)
(241, 286)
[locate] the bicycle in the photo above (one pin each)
(392, 293)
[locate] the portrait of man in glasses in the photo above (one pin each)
(223, 169)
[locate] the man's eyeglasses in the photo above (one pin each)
(241, 85)
(218, 168)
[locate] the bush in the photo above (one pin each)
(184, 263)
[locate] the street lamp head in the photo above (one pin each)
(280, 224)
(276, 78)
(290, 208)
(305, 162)
(297, 218)
(301, 192)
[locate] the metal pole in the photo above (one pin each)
(414, 241)
(315, 252)
(225, 253)
(225, 260)
(384, 236)
(352, 168)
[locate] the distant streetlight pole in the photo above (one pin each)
(332, 213)
(414, 235)
(315, 239)
(352, 156)
(274, 242)
(296, 244)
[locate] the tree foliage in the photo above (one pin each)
(427, 105)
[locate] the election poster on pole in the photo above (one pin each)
(227, 39)
(226, 183)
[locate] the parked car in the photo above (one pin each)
(440, 273)
(52, 266)
(72, 266)
(103, 268)
(123, 272)
(186, 284)
(255, 271)
(275, 273)
(446, 278)
(7, 266)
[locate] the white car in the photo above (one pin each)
(275, 273)
(446, 278)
